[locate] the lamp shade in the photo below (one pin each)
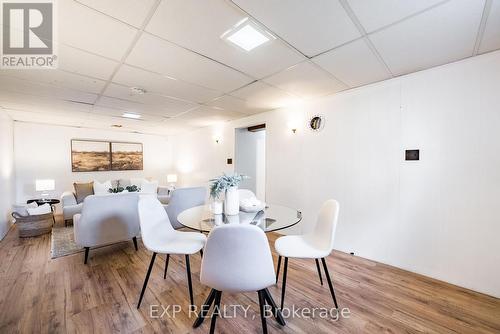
(45, 185)
(172, 178)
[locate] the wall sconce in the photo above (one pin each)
(294, 130)
(217, 139)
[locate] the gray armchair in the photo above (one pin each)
(182, 199)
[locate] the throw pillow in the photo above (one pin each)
(83, 190)
(149, 187)
(41, 210)
(102, 188)
(136, 182)
(124, 183)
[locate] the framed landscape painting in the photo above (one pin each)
(126, 156)
(90, 156)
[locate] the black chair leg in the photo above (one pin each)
(216, 311)
(276, 311)
(146, 279)
(166, 266)
(283, 287)
(278, 269)
(87, 249)
(190, 285)
(332, 291)
(262, 304)
(134, 239)
(201, 253)
(319, 271)
(205, 308)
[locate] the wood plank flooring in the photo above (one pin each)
(40, 295)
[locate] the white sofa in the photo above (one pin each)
(107, 219)
(70, 207)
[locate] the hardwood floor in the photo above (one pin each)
(40, 295)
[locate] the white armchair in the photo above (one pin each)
(70, 206)
(107, 219)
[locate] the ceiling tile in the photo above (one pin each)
(205, 116)
(232, 103)
(263, 96)
(29, 88)
(71, 59)
(85, 28)
(157, 55)
(377, 14)
(156, 83)
(58, 78)
(306, 80)
(151, 99)
(354, 64)
(491, 36)
(203, 22)
(310, 26)
(133, 12)
(444, 34)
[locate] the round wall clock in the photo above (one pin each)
(316, 123)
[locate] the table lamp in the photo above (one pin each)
(44, 186)
(172, 179)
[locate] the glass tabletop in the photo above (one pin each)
(272, 218)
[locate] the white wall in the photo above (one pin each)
(437, 216)
(6, 172)
(44, 152)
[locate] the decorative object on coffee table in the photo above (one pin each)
(227, 184)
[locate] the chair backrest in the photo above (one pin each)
(182, 199)
(324, 232)
(237, 258)
(245, 193)
(107, 219)
(155, 225)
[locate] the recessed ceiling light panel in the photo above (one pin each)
(247, 36)
(131, 115)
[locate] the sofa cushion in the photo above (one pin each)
(83, 190)
(148, 187)
(40, 210)
(102, 188)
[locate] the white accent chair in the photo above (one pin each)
(317, 244)
(237, 259)
(182, 199)
(70, 206)
(106, 219)
(159, 236)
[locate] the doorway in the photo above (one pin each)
(250, 158)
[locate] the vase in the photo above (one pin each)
(232, 201)
(216, 207)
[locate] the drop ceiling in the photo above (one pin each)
(194, 78)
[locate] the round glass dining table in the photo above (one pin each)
(272, 218)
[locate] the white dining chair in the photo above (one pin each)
(237, 259)
(316, 245)
(159, 236)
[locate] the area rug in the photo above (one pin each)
(63, 242)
